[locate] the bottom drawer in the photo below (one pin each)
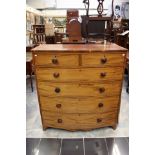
(79, 121)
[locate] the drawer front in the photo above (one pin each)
(56, 60)
(79, 121)
(103, 59)
(78, 89)
(88, 74)
(83, 105)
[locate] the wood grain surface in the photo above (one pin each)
(62, 60)
(79, 86)
(82, 74)
(79, 121)
(79, 105)
(79, 89)
(95, 60)
(73, 48)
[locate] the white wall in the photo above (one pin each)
(41, 3)
(71, 4)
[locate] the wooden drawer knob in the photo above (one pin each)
(59, 120)
(101, 90)
(103, 60)
(99, 120)
(55, 61)
(100, 105)
(56, 75)
(57, 90)
(58, 105)
(102, 74)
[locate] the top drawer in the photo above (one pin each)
(103, 59)
(55, 60)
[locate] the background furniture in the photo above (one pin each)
(50, 39)
(58, 37)
(71, 13)
(127, 68)
(29, 63)
(29, 70)
(73, 26)
(96, 27)
(38, 34)
(79, 86)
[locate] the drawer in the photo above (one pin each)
(56, 60)
(78, 89)
(79, 121)
(87, 74)
(103, 59)
(82, 105)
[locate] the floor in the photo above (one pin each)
(83, 146)
(34, 126)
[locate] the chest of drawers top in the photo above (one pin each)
(76, 48)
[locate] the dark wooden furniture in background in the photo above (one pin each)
(50, 39)
(74, 30)
(122, 39)
(100, 7)
(29, 63)
(71, 13)
(38, 34)
(73, 26)
(125, 24)
(127, 68)
(96, 27)
(118, 28)
(58, 37)
(79, 85)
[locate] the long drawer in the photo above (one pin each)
(87, 74)
(79, 89)
(101, 60)
(56, 60)
(81, 105)
(79, 121)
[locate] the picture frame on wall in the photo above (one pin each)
(117, 11)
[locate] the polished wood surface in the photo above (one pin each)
(76, 48)
(52, 89)
(79, 86)
(79, 74)
(79, 121)
(56, 60)
(79, 105)
(103, 59)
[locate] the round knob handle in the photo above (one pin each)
(56, 75)
(58, 105)
(55, 61)
(101, 90)
(103, 60)
(59, 120)
(103, 74)
(57, 90)
(100, 105)
(99, 120)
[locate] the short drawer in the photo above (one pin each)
(81, 105)
(55, 60)
(103, 59)
(79, 89)
(87, 74)
(79, 121)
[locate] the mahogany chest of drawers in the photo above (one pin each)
(79, 86)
